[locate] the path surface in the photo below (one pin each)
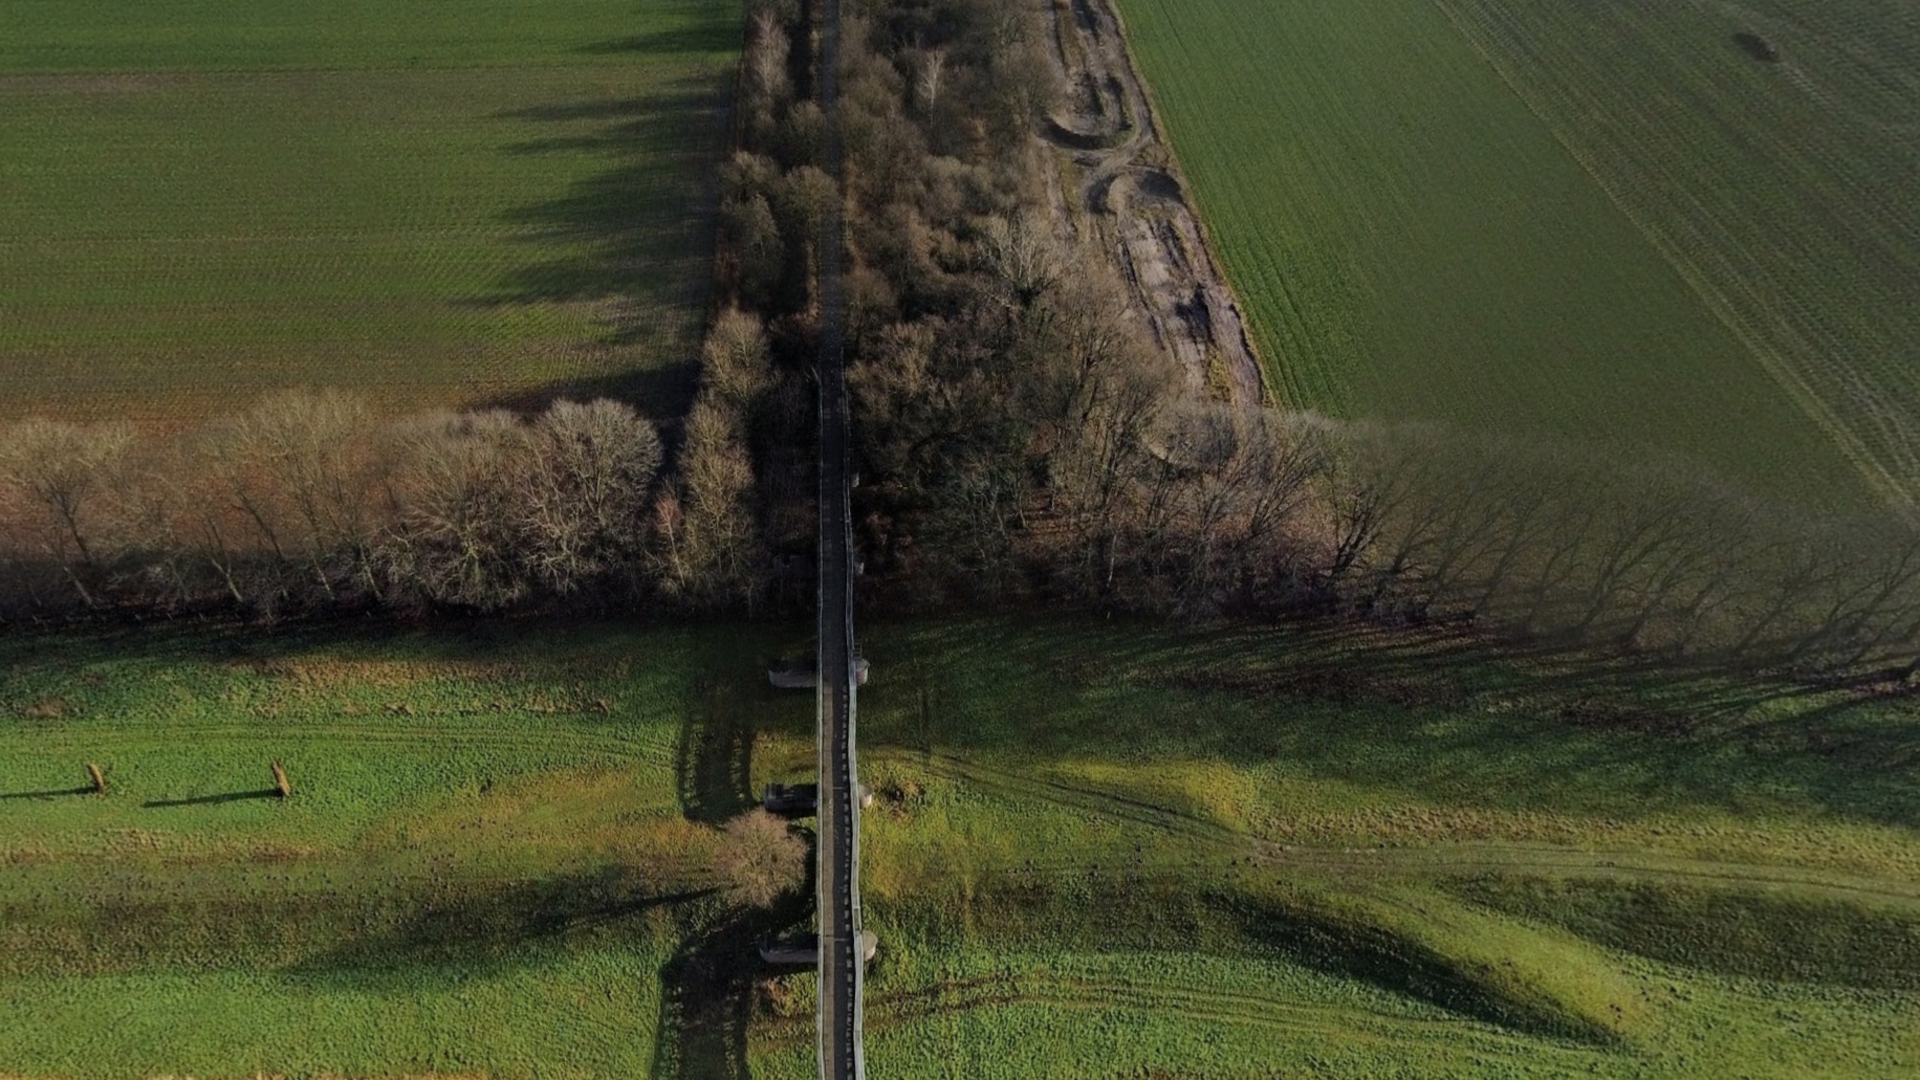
(838, 873)
(1128, 200)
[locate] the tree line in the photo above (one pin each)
(1023, 440)
(311, 503)
(1020, 439)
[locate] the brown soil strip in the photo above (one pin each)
(1115, 186)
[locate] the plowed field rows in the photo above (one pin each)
(431, 204)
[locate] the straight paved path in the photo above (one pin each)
(838, 874)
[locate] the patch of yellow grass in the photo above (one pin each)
(1210, 790)
(579, 813)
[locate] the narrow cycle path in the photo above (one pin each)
(838, 873)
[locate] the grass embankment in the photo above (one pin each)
(1096, 850)
(445, 204)
(1582, 240)
(495, 860)
(1117, 851)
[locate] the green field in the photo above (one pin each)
(433, 203)
(1605, 224)
(1097, 850)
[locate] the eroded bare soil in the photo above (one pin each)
(1115, 187)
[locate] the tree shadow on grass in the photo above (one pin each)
(713, 760)
(1449, 716)
(633, 238)
(212, 800)
(484, 929)
(708, 986)
(708, 37)
(708, 989)
(55, 793)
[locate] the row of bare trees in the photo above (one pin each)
(309, 501)
(1022, 441)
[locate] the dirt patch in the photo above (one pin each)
(46, 709)
(1157, 184)
(1115, 195)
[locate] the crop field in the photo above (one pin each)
(432, 203)
(1608, 224)
(1097, 849)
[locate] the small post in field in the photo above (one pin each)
(98, 777)
(280, 783)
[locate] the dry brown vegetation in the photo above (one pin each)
(1022, 440)
(1019, 438)
(310, 502)
(762, 859)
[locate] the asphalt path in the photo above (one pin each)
(838, 877)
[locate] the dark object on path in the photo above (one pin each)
(804, 673)
(801, 950)
(98, 777)
(1757, 47)
(280, 783)
(791, 800)
(804, 949)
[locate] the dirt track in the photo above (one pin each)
(1115, 187)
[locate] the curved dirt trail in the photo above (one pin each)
(1115, 187)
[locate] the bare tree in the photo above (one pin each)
(57, 484)
(584, 484)
(709, 540)
(757, 246)
(299, 465)
(761, 859)
(736, 363)
(1024, 256)
(454, 539)
(927, 83)
(767, 57)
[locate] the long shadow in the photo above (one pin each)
(634, 238)
(1615, 734)
(708, 985)
(212, 800)
(53, 794)
(698, 39)
(707, 991)
(662, 392)
(1401, 966)
(707, 1004)
(477, 930)
(713, 762)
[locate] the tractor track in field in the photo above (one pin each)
(1274, 1013)
(1431, 860)
(1114, 186)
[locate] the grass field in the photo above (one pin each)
(434, 203)
(1097, 850)
(1603, 224)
